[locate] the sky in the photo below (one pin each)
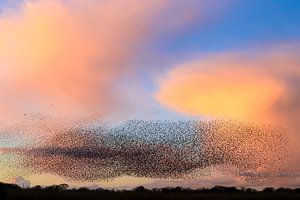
(179, 82)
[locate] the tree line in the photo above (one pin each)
(63, 191)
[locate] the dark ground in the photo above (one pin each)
(8, 191)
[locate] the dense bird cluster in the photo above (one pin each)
(157, 149)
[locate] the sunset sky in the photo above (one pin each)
(66, 64)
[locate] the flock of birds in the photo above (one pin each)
(153, 149)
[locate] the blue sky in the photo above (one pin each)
(244, 24)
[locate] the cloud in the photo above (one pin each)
(254, 86)
(219, 92)
(61, 57)
(67, 57)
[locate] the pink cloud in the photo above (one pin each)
(65, 57)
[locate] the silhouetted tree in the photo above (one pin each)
(37, 187)
(284, 190)
(63, 186)
(178, 189)
(268, 190)
(139, 189)
(57, 187)
(224, 189)
(297, 190)
(8, 186)
(250, 190)
(82, 189)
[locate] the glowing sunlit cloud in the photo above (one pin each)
(247, 86)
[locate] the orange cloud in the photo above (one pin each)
(246, 86)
